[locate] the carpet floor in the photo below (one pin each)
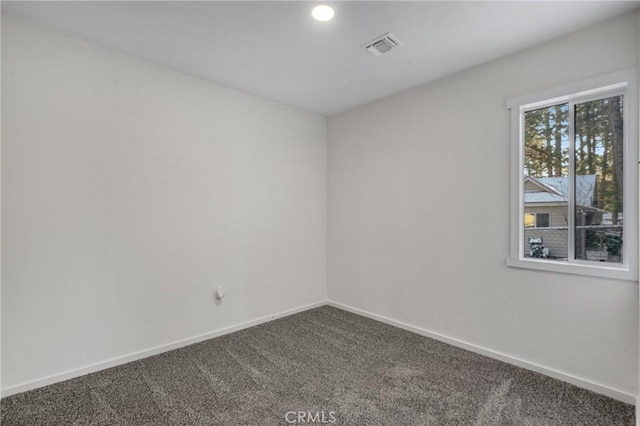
(333, 366)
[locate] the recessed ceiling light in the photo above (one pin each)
(322, 13)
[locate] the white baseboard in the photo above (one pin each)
(583, 383)
(92, 368)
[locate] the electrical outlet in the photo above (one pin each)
(218, 295)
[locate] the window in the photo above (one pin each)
(536, 220)
(574, 178)
(542, 220)
(529, 220)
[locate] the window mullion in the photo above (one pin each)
(571, 213)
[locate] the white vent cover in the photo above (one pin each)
(383, 44)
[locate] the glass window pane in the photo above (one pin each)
(599, 156)
(529, 220)
(542, 220)
(546, 182)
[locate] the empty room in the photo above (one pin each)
(351, 212)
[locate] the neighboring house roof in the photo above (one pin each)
(556, 190)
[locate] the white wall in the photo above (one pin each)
(419, 217)
(129, 191)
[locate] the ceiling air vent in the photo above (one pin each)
(383, 44)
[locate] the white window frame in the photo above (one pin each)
(623, 82)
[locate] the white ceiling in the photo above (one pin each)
(276, 50)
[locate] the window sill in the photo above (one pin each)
(573, 268)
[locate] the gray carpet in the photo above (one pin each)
(355, 370)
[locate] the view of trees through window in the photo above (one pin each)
(596, 173)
